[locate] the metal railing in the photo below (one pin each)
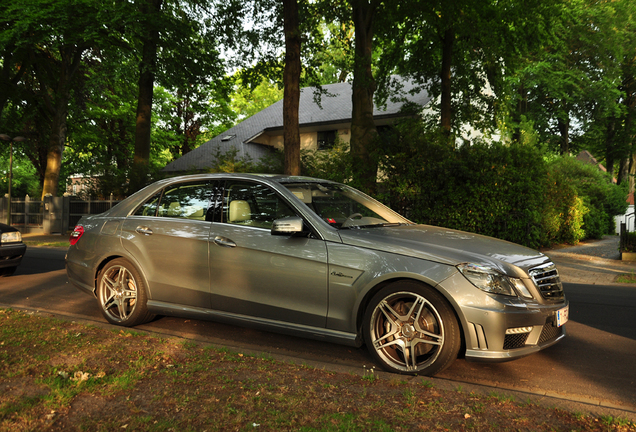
(53, 214)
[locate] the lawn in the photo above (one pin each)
(64, 375)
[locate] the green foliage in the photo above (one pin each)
(489, 189)
(25, 179)
(600, 199)
(332, 164)
(231, 162)
(249, 100)
(505, 191)
(630, 242)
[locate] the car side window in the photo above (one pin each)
(185, 200)
(253, 204)
(149, 208)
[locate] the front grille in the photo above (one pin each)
(546, 278)
(550, 332)
(513, 341)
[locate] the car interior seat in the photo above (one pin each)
(240, 212)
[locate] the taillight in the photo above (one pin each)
(76, 234)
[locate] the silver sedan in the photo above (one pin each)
(318, 259)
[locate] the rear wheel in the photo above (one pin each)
(122, 294)
(8, 271)
(411, 329)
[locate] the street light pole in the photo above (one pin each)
(11, 140)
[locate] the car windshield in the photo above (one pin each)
(344, 207)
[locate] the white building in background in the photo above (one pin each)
(628, 218)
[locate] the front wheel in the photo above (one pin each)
(411, 329)
(122, 295)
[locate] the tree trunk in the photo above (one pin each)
(141, 160)
(564, 130)
(56, 146)
(522, 109)
(632, 173)
(610, 145)
(364, 134)
(58, 108)
(623, 170)
(447, 58)
(291, 83)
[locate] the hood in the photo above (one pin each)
(447, 246)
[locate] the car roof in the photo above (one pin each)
(133, 200)
(278, 178)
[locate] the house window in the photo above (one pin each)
(326, 139)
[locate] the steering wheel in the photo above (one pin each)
(349, 220)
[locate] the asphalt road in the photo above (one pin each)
(595, 364)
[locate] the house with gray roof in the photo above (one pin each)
(321, 122)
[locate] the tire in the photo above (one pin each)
(410, 328)
(121, 293)
(8, 271)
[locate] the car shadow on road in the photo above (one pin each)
(607, 308)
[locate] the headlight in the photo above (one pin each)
(492, 281)
(11, 237)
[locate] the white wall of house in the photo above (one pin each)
(628, 218)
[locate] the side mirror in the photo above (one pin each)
(288, 226)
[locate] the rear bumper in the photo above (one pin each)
(78, 275)
(11, 254)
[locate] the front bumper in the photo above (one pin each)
(11, 254)
(487, 339)
(485, 319)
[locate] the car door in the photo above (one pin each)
(169, 235)
(258, 274)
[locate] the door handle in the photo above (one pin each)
(224, 242)
(144, 230)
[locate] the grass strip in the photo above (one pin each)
(63, 375)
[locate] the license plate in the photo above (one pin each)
(562, 316)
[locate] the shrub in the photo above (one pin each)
(505, 191)
(333, 164)
(630, 242)
(601, 199)
(492, 189)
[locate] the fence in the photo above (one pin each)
(53, 215)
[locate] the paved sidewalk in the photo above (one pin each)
(594, 262)
(34, 238)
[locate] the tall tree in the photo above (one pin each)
(55, 36)
(364, 133)
(291, 81)
(461, 52)
(150, 11)
(179, 45)
(570, 81)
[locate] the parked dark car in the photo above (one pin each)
(318, 259)
(11, 250)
